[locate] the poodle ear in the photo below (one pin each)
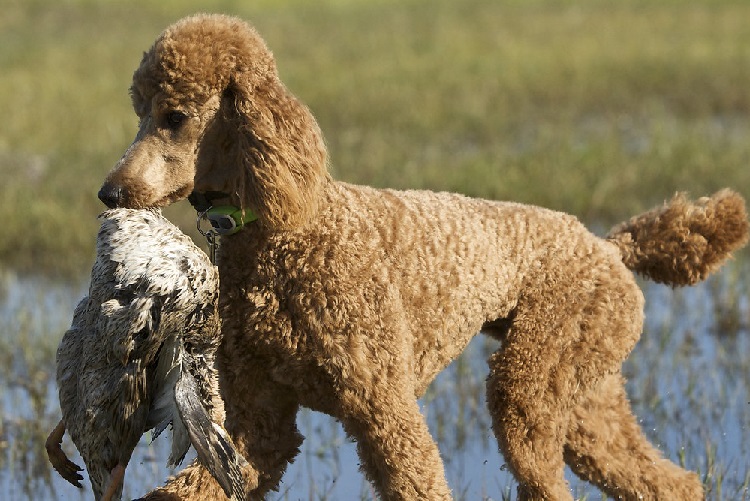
(280, 154)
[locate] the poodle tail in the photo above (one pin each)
(682, 242)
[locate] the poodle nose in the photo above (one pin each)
(111, 195)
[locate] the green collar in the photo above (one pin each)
(224, 219)
(228, 219)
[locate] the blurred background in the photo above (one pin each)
(600, 108)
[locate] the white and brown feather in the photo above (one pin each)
(139, 354)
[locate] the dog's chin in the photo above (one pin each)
(175, 196)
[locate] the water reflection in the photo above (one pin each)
(689, 383)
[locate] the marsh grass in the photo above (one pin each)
(599, 108)
(689, 384)
(28, 393)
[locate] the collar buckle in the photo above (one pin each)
(224, 220)
(210, 236)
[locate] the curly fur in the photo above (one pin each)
(349, 300)
(682, 242)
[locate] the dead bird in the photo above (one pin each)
(139, 355)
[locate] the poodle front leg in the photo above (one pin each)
(264, 428)
(261, 419)
(195, 482)
(267, 438)
(397, 452)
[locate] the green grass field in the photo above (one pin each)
(599, 108)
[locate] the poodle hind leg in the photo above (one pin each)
(529, 420)
(560, 343)
(606, 447)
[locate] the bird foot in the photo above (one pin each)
(116, 478)
(60, 462)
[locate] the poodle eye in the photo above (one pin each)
(174, 119)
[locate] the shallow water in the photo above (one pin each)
(689, 383)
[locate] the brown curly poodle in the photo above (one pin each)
(349, 300)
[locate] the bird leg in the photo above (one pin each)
(116, 478)
(60, 462)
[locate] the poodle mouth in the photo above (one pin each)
(180, 193)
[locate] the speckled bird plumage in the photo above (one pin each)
(139, 354)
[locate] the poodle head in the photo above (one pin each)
(215, 117)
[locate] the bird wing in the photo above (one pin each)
(163, 407)
(212, 443)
